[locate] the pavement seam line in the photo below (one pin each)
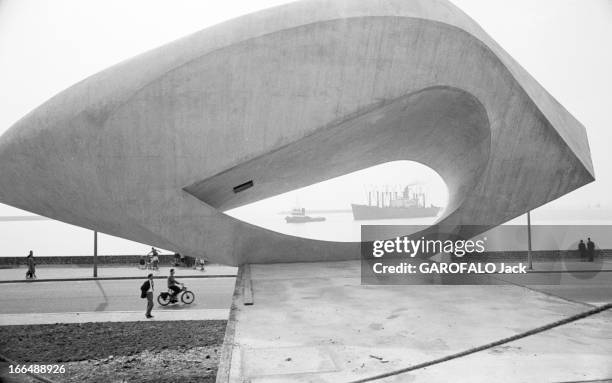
(112, 278)
(110, 312)
(473, 350)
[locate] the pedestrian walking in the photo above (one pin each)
(582, 250)
(155, 262)
(31, 273)
(146, 291)
(590, 249)
(150, 256)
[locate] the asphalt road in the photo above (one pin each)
(216, 293)
(113, 295)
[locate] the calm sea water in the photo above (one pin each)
(336, 227)
(550, 230)
(53, 238)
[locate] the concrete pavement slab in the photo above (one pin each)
(367, 330)
(580, 351)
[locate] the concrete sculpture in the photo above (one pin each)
(154, 149)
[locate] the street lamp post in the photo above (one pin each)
(95, 255)
(529, 255)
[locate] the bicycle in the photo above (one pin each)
(165, 297)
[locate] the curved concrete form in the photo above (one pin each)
(151, 149)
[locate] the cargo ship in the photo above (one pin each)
(409, 203)
(298, 215)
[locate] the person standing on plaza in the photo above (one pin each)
(582, 250)
(31, 273)
(155, 262)
(590, 249)
(150, 256)
(147, 290)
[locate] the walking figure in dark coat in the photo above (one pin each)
(590, 249)
(147, 292)
(31, 273)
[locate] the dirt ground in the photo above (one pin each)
(180, 351)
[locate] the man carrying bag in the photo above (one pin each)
(146, 291)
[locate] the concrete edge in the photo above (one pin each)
(247, 291)
(111, 278)
(227, 350)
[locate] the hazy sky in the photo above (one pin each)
(46, 46)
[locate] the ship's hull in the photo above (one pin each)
(303, 219)
(362, 212)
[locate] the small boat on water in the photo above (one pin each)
(298, 215)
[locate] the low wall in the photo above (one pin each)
(537, 256)
(168, 259)
(164, 260)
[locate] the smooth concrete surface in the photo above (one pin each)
(314, 322)
(86, 271)
(111, 316)
(151, 148)
(574, 353)
(590, 288)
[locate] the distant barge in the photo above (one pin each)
(298, 215)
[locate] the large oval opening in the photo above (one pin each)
(393, 193)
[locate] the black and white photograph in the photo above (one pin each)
(306, 191)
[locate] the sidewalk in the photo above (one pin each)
(76, 272)
(112, 316)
